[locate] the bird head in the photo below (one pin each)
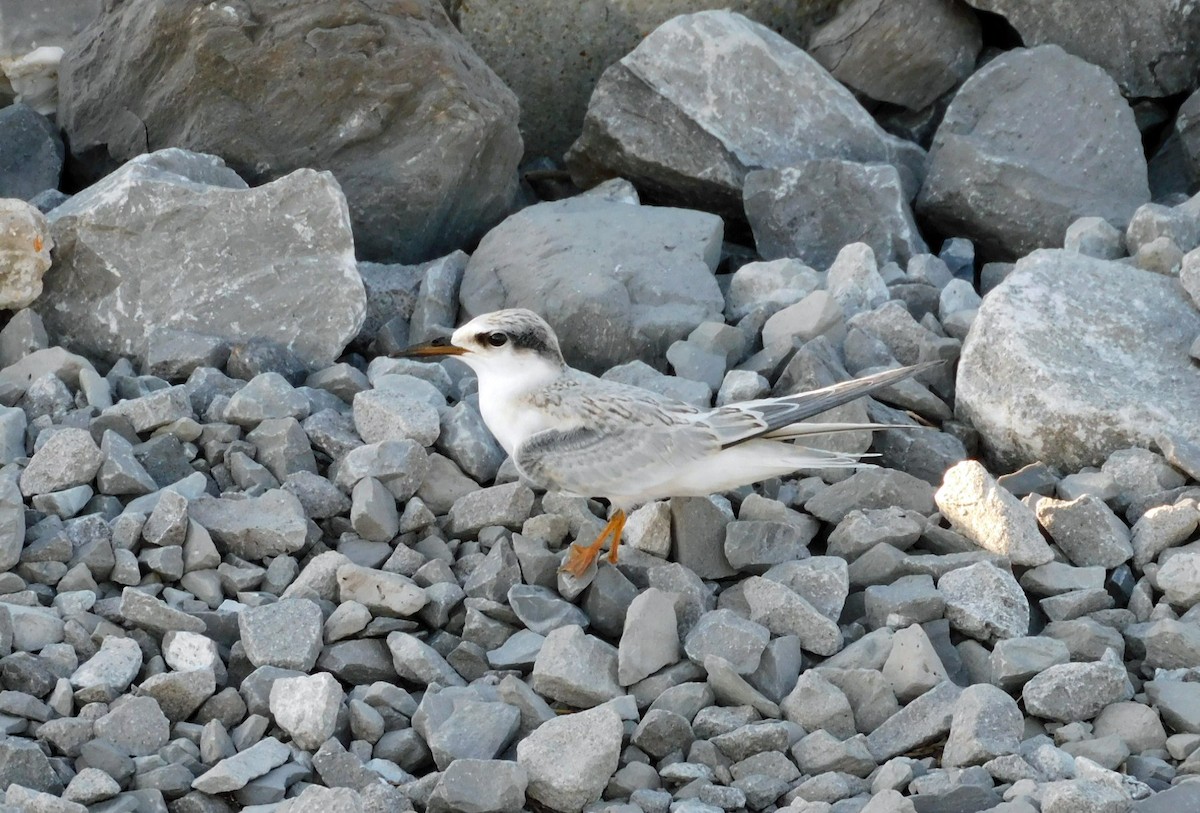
(512, 341)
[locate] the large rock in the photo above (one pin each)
(176, 227)
(1149, 47)
(32, 158)
(25, 245)
(905, 52)
(810, 211)
(1034, 140)
(1072, 358)
(616, 281)
(710, 96)
(388, 96)
(567, 44)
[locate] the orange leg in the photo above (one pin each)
(580, 558)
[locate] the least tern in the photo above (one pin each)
(570, 431)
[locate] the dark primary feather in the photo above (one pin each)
(769, 415)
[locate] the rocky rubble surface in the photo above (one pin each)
(249, 559)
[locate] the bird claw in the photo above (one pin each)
(579, 559)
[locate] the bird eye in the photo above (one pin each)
(496, 339)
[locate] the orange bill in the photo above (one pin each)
(437, 347)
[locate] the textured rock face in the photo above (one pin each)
(1148, 47)
(25, 245)
(710, 96)
(135, 246)
(615, 281)
(419, 132)
(1072, 358)
(567, 44)
(812, 210)
(907, 53)
(1017, 158)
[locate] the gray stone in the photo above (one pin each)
(12, 524)
(436, 307)
(23, 763)
(1104, 307)
(640, 374)
(985, 602)
(401, 465)
(754, 546)
(417, 661)
(1179, 578)
(495, 577)
(1095, 237)
(987, 723)
(391, 595)
(136, 725)
(155, 409)
(1038, 185)
(307, 708)
(465, 439)
(398, 214)
(602, 317)
(180, 187)
(153, 614)
(180, 694)
(507, 505)
(577, 669)
(1145, 50)
(907, 53)
(1015, 660)
(382, 415)
(1079, 795)
(783, 612)
(1086, 530)
(699, 529)
(234, 772)
(320, 498)
(267, 395)
(923, 720)
(373, 511)
(908, 600)
(286, 634)
(815, 703)
(913, 666)
(990, 516)
(109, 672)
(480, 786)
(255, 528)
(724, 633)
(570, 759)
(542, 610)
(871, 489)
(69, 457)
(282, 447)
(1077, 691)
(859, 531)
(774, 284)
(650, 639)
(810, 210)
(33, 152)
(678, 144)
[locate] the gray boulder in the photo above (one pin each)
(811, 210)
(1072, 358)
(1033, 141)
(616, 281)
(273, 262)
(1148, 47)
(710, 96)
(578, 39)
(387, 96)
(32, 158)
(906, 52)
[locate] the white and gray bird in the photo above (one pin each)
(570, 431)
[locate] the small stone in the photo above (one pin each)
(68, 458)
(576, 669)
(913, 666)
(923, 720)
(506, 505)
(987, 723)
(382, 414)
(1077, 691)
(661, 732)
(286, 634)
(388, 594)
(416, 660)
(1086, 530)
(815, 703)
(650, 639)
(91, 785)
(1095, 237)
(266, 395)
(307, 708)
(990, 516)
(256, 528)
(542, 610)
(109, 672)
(570, 759)
(136, 725)
(480, 786)
(783, 612)
(755, 545)
(236, 771)
(152, 614)
(1015, 660)
(373, 511)
(985, 602)
(724, 633)
(1179, 578)
(872, 489)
